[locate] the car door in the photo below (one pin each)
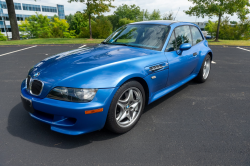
(197, 42)
(180, 66)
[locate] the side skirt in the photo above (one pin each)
(166, 90)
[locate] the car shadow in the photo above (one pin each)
(21, 125)
(169, 95)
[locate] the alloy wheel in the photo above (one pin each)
(206, 68)
(128, 107)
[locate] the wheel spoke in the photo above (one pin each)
(134, 105)
(133, 115)
(122, 116)
(121, 104)
(129, 98)
(129, 116)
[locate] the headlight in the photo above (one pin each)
(72, 94)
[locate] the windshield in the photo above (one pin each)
(140, 35)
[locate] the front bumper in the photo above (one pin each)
(69, 117)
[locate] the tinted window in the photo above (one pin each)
(183, 35)
(140, 35)
(171, 44)
(196, 35)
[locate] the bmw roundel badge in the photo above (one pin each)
(36, 75)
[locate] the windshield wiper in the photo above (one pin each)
(114, 43)
(123, 44)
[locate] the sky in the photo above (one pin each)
(163, 5)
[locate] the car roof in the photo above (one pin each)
(162, 22)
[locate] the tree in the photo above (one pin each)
(2, 37)
(217, 8)
(144, 16)
(156, 15)
(77, 22)
(13, 20)
(114, 19)
(168, 16)
(103, 27)
(233, 22)
(125, 21)
(94, 7)
(125, 11)
(69, 18)
(211, 28)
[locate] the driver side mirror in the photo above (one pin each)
(183, 47)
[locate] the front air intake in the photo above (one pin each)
(36, 87)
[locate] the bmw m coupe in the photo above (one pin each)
(109, 84)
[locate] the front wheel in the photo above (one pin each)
(205, 70)
(126, 107)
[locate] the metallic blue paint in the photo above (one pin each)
(185, 46)
(107, 67)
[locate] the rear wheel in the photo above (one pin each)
(205, 70)
(126, 107)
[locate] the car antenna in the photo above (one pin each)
(177, 13)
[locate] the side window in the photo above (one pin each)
(171, 44)
(183, 35)
(197, 38)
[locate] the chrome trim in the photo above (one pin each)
(25, 83)
(157, 67)
(28, 89)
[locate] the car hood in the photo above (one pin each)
(65, 65)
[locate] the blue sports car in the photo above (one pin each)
(83, 90)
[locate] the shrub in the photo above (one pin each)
(2, 37)
(40, 26)
(36, 26)
(59, 27)
(237, 31)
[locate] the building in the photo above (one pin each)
(201, 24)
(25, 9)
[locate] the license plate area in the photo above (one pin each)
(27, 104)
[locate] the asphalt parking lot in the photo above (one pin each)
(197, 124)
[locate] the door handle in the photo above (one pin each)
(195, 54)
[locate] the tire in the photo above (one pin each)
(205, 70)
(126, 107)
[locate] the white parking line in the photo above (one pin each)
(82, 46)
(213, 62)
(243, 49)
(18, 50)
